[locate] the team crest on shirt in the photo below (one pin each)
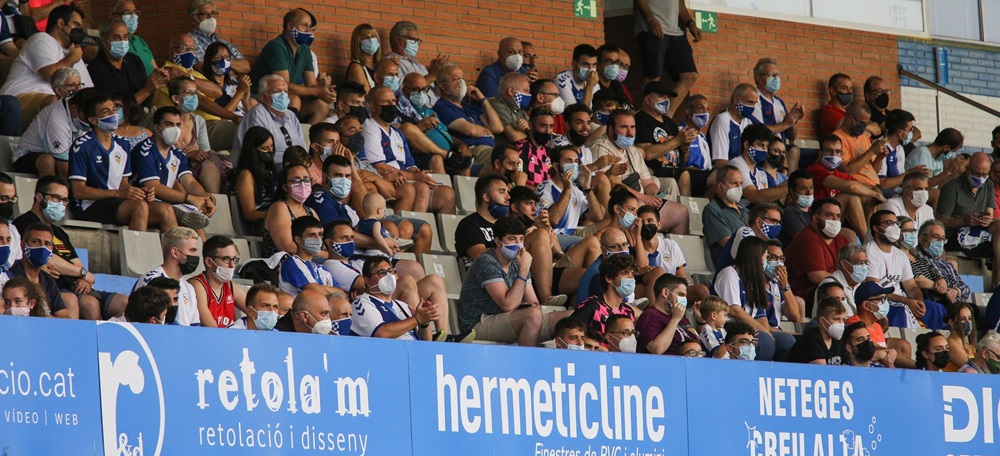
(118, 157)
(660, 135)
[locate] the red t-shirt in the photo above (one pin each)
(811, 253)
(222, 307)
(829, 118)
(819, 174)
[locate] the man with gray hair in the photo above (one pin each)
(204, 19)
(912, 202)
(852, 269)
(116, 70)
(180, 258)
(271, 113)
(44, 146)
(404, 39)
(772, 111)
(987, 359)
(510, 105)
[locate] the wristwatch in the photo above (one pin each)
(787, 287)
(83, 272)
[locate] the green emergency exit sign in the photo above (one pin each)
(586, 9)
(707, 21)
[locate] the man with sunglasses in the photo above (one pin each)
(217, 296)
(75, 282)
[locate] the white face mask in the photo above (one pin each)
(171, 135)
(387, 284)
(735, 194)
(20, 311)
(224, 274)
(920, 197)
(514, 62)
(573, 347)
(831, 228)
(892, 233)
(628, 344)
(836, 330)
(207, 25)
(323, 327)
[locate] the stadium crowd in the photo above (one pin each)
(573, 233)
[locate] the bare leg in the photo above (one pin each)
(423, 197)
(549, 331)
(72, 305)
(684, 184)
(405, 197)
(422, 244)
(904, 352)
(697, 293)
(527, 323)
(585, 252)
(432, 288)
(117, 305)
(46, 165)
(792, 158)
(315, 110)
(540, 248)
(419, 141)
(569, 280)
(90, 307)
(682, 86)
(162, 215)
(411, 269)
(442, 200)
(674, 218)
(135, 214)
(210, 177)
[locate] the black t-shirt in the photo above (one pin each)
(46, 283)
(877, 116)
(473, 230)
(810, 346)
(617, 92)
(130, 78)
(651, 131)
(60, 240)
(286, 323)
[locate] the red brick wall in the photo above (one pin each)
(807, 55)
(468, 30)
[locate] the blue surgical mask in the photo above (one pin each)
(574, 167)
(883, 309)
(305, 38)
(4, 254)
(189, 103)
(185, 60)
(582, 73)
(121, 114)
(53, 212)
(340, 187)
(498, 210)
(859, 272)
(771, 231)
(748, 352)
(266, 319)
(131, 22)
(773, 83)
(392, 82)
(510, 251)
(411, 48)
(935, 249)
(757, 155)
(858, 129)
(611, 72)
(771, 268)
(342, 327)
(38, 256)
(806, 200)
(624, 142)
(831, 162)
(344, 249)
(419, 99)
(700, 120)
(976, 182)
(523, 100)
(279, 101)
(627, 219)
(910, 239)
(369, 46)
(109, 123)
(909, 138)
(118, 49)
(626, 288)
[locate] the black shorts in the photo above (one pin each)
(102, 211)
(26, 164)
(699, 181)
(671, 55)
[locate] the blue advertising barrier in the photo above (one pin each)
(964, 416)
(492, 400)
(48, 388)
(174, 391)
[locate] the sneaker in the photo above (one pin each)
(441, 336)
(463, 338)
(191, 219)
(557, 300)
(641, 303)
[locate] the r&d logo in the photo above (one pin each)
(132, 406)
(969, 416)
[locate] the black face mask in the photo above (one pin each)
(77, 36)
(941, 359)
(190, 264)
(358, 111)
(648, 232)
(356, 142)
(6, 210)
(882, 101)
(527, 221)
(388, 113)
(776, 161)
(865, 351)
(542, 138)
(575, 138)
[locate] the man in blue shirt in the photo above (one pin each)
(99, 169)
(772, 111)
(474, 122)
(510, 57)
(163, 169)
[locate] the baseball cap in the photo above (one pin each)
(868, 289)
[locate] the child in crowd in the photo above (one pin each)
(374, 207)
(715, 312)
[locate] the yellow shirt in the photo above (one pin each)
(162, 97)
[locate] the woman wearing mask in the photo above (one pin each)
(774, 164)
(294, 187)
(941, 282)
(235, 98)
(129, 119)
(933, 353)
(961, 320)
(208, 168)
(255, 183)
(744, 285)
(22, 298)
(365, 52)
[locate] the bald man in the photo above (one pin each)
(728, 126)
(340, 314)
(510, 57)
(967, 206)
(310, 314)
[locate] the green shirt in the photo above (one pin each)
(509, 113)
(139, 47)
(956, 199)
(278, 55)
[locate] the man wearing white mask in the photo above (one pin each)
(376, 314)
(620, 334)
(310, 313)
(662, 327)
(204, 18)
(162, 169)
(724, 214)
(261, 308)
(852, 269)
(510, 57)
(912, 202)
(821, 345)
(298, 272)
(217, 296)
(816, 249)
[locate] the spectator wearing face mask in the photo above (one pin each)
(115, 70)
(180, 258)
(458, 156)
(861, 348)
(183, 64)
(727, 128)
(724, 214)
(772, 111)
(933, 353)
(764, 223)
(148, 305)
(877, 96)
(545, 95)
(831, 182)
(377, 314)
(795, 215)
(511, 105)
(272, 113)
(37, 246)
(510, 58)
(350, 102)
(912, 202)
(840, 87)
(579, 83)
(617, 285)
(261, 308)
(822, 344)
(662, 328)
(662, 142)
(941, 283)
(987, 359)
(966, 206)
(44, 146)
(570, 334)
(899, 133)
(962, 336)
(475, 122)
(698, 161)
(204, 19)
(217, 295)
(609, 69)
(941, 158)
(365, 52)
(404, 39)
(757, 185)
(740, 342)
(310, 314)
(299, 272)
(852, 269)
(873, 306)
(620, 334)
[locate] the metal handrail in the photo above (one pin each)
(947, 91)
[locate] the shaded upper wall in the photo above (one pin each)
(807, 55)
(468, 30)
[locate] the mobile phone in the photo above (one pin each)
(171, 315)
